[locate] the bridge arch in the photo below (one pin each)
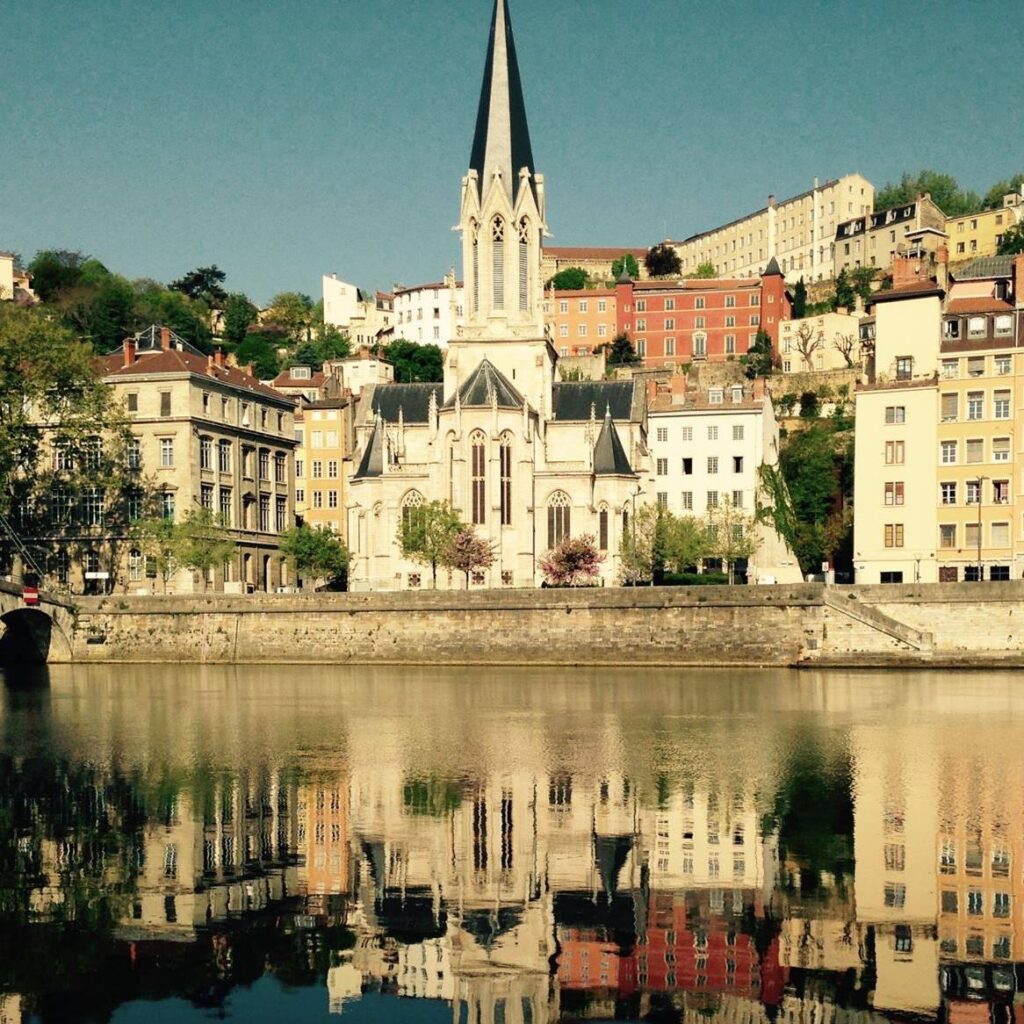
(31, 636)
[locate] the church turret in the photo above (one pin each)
(502, 218)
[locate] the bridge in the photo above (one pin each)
(34, 634)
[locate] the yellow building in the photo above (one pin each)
(323, 462)
(980, 234)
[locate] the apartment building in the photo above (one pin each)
(707, 448)
(429, 314)
(936, 479)
(209, 436)
(323, 462)
(830, 341)
(367, 321)
(579, 321)
(595, 260)
(798, 232)
(876, 239)
(674, 322)
(980, 234)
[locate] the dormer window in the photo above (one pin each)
(1004, 324)
(951, 329)
(301, 373)
(737, 394)
(977, 327)
(715, 396)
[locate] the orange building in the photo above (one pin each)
(580, 321)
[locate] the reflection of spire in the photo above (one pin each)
(610, 853)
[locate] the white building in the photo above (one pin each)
(360, 371)
(526, 460)
(342, 302)
(707, 448)
(429, 313)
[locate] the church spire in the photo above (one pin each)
(502, 138)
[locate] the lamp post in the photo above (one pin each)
(981, 479)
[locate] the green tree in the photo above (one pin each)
(861, 280)
(1013, 241)
(705, 271)
(204, 284)
(944, 189)
(101, 309)
(315, 554)
(426, 532)
(686, 542)
(155, 304)
(55, 271)
(662, 260)
(642, 551)
(993, 199)
(760, 357)
(468, 552)
(157, 538)
(293, 313)
(844, 297)
(239, 315)
(573, 562)
(627, 260)
(732, 535)
(413, 363)
(570, 279)
(621, 352)
(800, 300)
(330, 343)
(260, 349)
(202, 543)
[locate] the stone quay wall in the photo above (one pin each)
(967, 625)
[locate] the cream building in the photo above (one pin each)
(367, 321)
(526, 460)
(342, 301)
(323, 462)
(799, 232)
(877, 239)
(429, 314)
(707, 448)
(980, 234)
(15, 283)
(830, 341)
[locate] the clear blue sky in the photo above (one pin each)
(281, 139)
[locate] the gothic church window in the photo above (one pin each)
(498, 261)
(479, 478)
(412, 511)
(505, 453)
(558, 518)
(524, 264)
(476, 266)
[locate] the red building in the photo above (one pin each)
(672, 322)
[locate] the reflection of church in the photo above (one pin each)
(527, 459)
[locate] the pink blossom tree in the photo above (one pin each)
(574, 562)
(467, 552)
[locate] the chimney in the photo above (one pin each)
(907, 269)
(129, 351)
(218, 358)
(210, 363)
(942, 266)
(771, 200)
(250, 370)
(165, 339)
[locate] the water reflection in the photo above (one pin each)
(510, 846)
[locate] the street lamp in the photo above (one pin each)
(980, 571)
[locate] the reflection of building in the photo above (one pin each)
(324, 824)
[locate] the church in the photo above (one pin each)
(525, 458)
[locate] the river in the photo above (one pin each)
(501, 846)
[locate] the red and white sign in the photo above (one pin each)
(30, 595)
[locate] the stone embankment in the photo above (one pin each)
(967, 625)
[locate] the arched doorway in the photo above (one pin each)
(31, 637)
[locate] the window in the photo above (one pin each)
(563, 306)
(93, 506)
(563, 330)
(895, 894)
(949, 408)
(662, 467)
(662, 500)
(904, 367)
(1001, 492)
(478, 479)
(264, 461)
(206, 496)
(947, 492)
(318, 469)
(641, 347)
(730, 301)
(894, 493)
(973, 490)
(1004, 324)
(224, 456)
(1000, 535)
(670, 324)
(712, 465)
(687, 467)
(280, 467)
(505, 459)
(498, 263)
(1001, 405)
(975, 405)
(1001, 449)
(1002, 365)
(895, 452)
(976, 366)
(662, 435)
(948, 450)
(699, 322)
(686, 501)
(730, 344)
(687, 433)
(670, 304)
(975, 450)
(225, 505)
(950, 368)
(737, 463)
(133, 401)
(755, 300)
(318, 499)
(165, 403)
(737, 502)
(895, 414)
(712, 499)
(712, 433)
(136, 565)
(894, 535)
(947, 535)
(641, 305)
(205, 453)
(602, 530)
(737, 432)
(167, 504)
(975, 902)
(641, 325)
(755, 320)
(698, 303)
(134, 453)
(167, 452)
(583, 330)
(558, 518)
(670, 346)
(700, 345)
(715, 396)
(730, 321)
(602, 305)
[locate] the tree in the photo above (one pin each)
(800, 300)
(993, 199)
(293, 313)
(686, 542)
(55, 271)
(643, 545)
(759, 358)
(662, 260)
(570, 279)
(846, 345)
(202, 543)
(426, 532)
(944, 189)
(732, 535)
(808, 340)
(203, 284)
(315, 554)
(573, 562)
(100, 308)
(627, 260)
(413, 363)
(157, 539)
(862, 279)
(1013, 241)
(467, 552)
(706, 271)
(155, 304)
(621, 352)
(844, 297)
(260, 348)
(809, 405)
(239, 315)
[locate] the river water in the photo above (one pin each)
(496, 846)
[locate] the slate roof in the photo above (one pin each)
(372, 462)
(487, 380)
(986, 266)
(573, 400)
(772, 270)
(610, 457)
(412, 399)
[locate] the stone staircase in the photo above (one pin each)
(851, 625)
